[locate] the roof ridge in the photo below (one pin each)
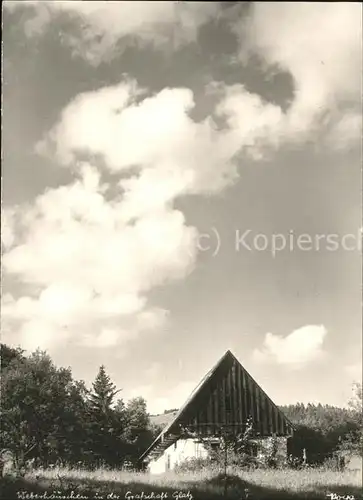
(197, 390)
(187, 402)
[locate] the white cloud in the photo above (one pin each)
(156, 136)
(101, 25)
(49, 324)
(254, 125)
(92, 256)
(37, 333)
(63, 227)
(346, 132)
(297, 349)
(89, 270)
(96, 256)
(107, 337)
(320, 45)
(7, 227)
(157, 139)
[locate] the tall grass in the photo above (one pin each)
(204, 484)
(307, 481)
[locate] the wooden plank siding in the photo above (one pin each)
(247, 406)
(238, 394)
(225, 398)
(234, 399)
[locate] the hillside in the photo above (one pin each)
(163, 419)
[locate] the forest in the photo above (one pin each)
(50, 419)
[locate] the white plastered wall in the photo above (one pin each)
(176, 454)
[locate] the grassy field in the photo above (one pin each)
(208, 485)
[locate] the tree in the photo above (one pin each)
(138, 431)
(103, 394)
(353, 441)
(356, 406)
(320, 429)
(355, 403)
(170, 410)
(49, 416)
(104, 423)
(226, 447)
(9, 354)
(42, 410)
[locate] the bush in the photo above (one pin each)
(335, 462)
(194, 465)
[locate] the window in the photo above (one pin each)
(215, 445)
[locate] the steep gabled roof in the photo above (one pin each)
(226, 396)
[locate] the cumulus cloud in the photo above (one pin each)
(93, 252)
(297, 349)
(7, 227)
(90, 271)
(346, 132)
(320, 45)
(94, 256)
(155, 137)
(100, 25)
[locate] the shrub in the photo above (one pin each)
(193, 464)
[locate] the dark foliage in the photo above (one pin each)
(324, 430)
(50, 418)
(8, 354)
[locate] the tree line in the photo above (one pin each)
(49, 417)
(325, 430)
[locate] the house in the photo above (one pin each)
(224, 399)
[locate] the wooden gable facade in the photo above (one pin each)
(225, 398)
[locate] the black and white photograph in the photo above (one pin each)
(181, 250)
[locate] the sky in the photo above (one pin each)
(183, 178)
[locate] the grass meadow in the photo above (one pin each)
(204, 485)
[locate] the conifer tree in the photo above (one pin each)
(104, 426)
(104, 391)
